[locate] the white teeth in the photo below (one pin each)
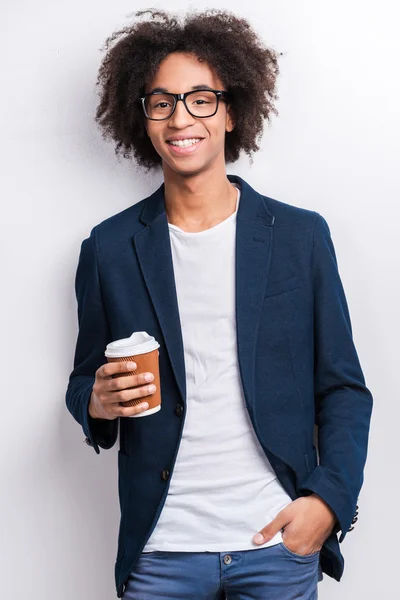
(184, 143)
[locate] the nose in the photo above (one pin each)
(181, 117)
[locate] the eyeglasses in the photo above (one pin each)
(203, 103)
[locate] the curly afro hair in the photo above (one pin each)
(226, 42)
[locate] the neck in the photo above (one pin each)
(200, 201)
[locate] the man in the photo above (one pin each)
(221, 491)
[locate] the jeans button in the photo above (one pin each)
(227, 559)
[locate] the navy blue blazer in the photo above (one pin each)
(297, 359)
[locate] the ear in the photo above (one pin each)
(230, 118)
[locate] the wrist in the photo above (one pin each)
(326, 505)
(92, 409)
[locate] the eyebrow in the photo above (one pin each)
(195, 87)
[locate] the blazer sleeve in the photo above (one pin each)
(343, 403)
(93, 336)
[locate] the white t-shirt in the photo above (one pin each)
(223, 489)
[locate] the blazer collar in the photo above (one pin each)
(252, 205)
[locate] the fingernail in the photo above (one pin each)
(149, 377)
(258, 538)
(145, 405)
(131, 366)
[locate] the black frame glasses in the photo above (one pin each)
(220, 94)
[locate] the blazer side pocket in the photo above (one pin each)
(283, 285)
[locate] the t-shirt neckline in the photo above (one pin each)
(205, 231)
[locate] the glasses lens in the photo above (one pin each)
(200, 104)
(159, 106)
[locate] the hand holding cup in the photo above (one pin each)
(113, 386)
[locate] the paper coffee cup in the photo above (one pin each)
(142, 349)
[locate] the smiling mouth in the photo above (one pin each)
(184, 143)
(188, 147)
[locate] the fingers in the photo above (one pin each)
(122, 383)
(128, 411)
(112, 386)
(116, 379)
(112, 368)
(125, 395)
(105, 396)
(269, 531)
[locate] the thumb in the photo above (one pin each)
(268, 532)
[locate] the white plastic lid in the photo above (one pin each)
(139, 342)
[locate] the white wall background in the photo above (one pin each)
(334, 148)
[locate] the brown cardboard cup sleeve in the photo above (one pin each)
(146, 363)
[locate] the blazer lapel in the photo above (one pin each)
(155, 258)
(254, 227)
(254, 230)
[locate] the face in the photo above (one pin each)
(178, 73)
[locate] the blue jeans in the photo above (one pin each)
(273, 572)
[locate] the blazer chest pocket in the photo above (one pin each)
(283, 285)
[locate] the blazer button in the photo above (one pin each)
(165, 474)
(179, 410)
(355, 519)
(88, 442)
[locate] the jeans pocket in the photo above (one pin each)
(301, 556)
